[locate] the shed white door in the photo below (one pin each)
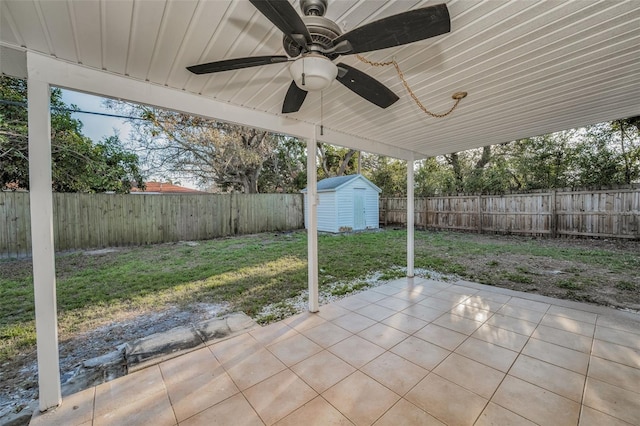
(359, 221)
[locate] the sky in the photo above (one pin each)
(95, 127)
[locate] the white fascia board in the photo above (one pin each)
(361, 144)
(103, 83)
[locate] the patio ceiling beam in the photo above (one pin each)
(44, 272)
(103, 83)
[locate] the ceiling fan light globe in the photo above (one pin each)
(318, 72)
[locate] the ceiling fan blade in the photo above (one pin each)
(282, 14)
(396, 30)
(365, 86)
(236, 64)
(294, 99)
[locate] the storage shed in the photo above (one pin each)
(345, 203)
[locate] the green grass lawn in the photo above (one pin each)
(247, 272)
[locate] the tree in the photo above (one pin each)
(78, 165)
(286, 170)
(388, 174)
(336, 161)
(174, 144)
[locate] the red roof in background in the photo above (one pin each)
(166, 188)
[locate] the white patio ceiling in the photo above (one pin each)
(530, 67)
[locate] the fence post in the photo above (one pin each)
(479, 214)
(553, 213)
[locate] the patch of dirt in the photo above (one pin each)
(19, 377)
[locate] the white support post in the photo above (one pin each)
(312, 224)
(44, 274)
(410, 219)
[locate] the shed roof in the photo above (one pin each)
(335, 183)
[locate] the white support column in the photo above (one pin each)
(44, 274)
(410, 219)
(312, 224)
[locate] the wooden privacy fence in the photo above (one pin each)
(611, 213)
(108, 220)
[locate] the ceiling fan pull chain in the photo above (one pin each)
(458, 96)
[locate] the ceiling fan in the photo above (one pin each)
(312, 42)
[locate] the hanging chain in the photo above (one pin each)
(458, 96)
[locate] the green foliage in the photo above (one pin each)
(78, 165)
(286, 170)
(388, 174)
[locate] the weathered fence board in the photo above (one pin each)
(609, 213)
(110, 220)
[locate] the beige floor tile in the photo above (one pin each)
(425, 354)
(612, 400)
(327, 334)
(495, 415)
(501, 337)
(615, 374)
(471, 312)
(389, 289)
(236, 348)
(360, 398)
(405, 413)
(519, 326)
(353, 322)
(494, 296)
(404, 322)
(233, 411)
(189, 365)
(437, 285)
(557, 355)
(569, 340)
(317, 412)
(469, 374)
(196, 385)
(332, 311)
(441, 336)
(199, 393)
(521, 313)
(423, 313)
(75, 409)
(457, 323)
(528, 304)
(527, 400)
(376, 312)
(370, 296)
(383, 335)
(617, 322)
(487, 353)
(448, 402)
(574, 314)
(394, 303)
(452, 297)
(559, 380)
(460, 289)
(323, 370)
(128, 389)
(619, 337)
(304, 321)
(272, 333)
(352, 303)
(483, 303)
(154, 409)
(394, 372)
(568, 324)
(253, 368)
(294, 349)
(412, 296)
(356, 351)
(279, 396)
(617, 353)
(439, 304)
(591, 417)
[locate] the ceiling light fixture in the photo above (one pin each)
(313, 72)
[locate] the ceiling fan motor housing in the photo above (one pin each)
(323, 31)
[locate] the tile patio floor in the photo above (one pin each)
(408, 352)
